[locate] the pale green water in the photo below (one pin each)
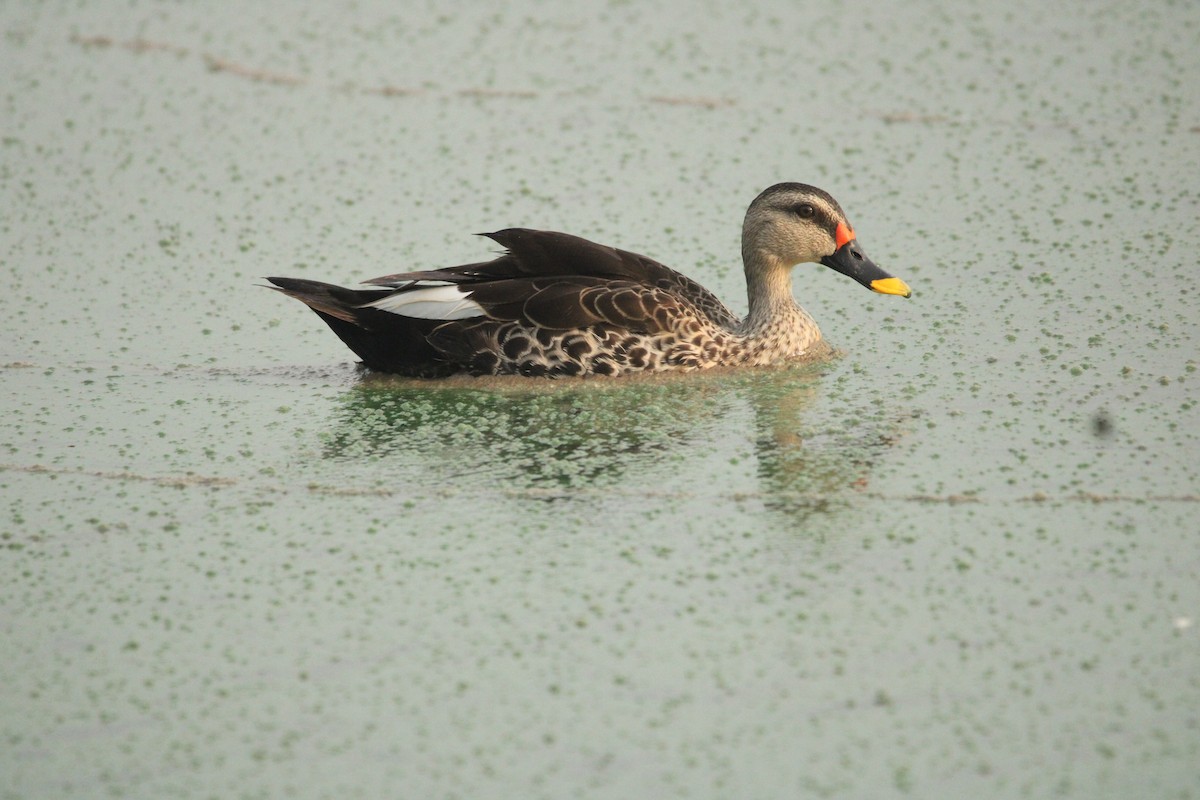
(960, 560)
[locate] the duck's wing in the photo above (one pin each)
(434, 329)
(546, 286)
(552, 303)
(533, 254)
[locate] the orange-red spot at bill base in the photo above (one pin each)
(844, 234)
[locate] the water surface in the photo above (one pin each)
(957, 558)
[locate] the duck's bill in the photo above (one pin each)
(851, 262)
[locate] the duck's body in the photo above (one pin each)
(555, 304)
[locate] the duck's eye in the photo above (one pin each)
(805, 211)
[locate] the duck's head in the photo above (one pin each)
(793, 223)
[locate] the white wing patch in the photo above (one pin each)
(435, 302)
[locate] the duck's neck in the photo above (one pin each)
(769, 286)
(775, 328)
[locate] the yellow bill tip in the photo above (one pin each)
(891, 286)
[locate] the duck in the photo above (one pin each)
(552, 304)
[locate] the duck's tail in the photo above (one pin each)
(385, 342)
